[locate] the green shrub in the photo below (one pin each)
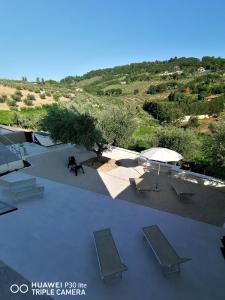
(172, 110)
(28, 102)
(30, 97)
(216, 148)
(183, 141)
(66, 95)
(3, 98)
(56, 97)
(113, 92)
(5, 117)
(193, 122)
(18, 93)
(100, 93)
(42, 96)
(11, 102)
(17, 96)
(163, 111)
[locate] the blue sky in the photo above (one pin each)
(57, 38)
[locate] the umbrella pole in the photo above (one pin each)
(156, 187)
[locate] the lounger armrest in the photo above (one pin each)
(184, 259)
(125, 267)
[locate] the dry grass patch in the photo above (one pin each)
(105, 164)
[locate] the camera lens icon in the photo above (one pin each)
(15, 288)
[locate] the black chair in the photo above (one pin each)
(76, 167)
(223, 240)
(71, 161)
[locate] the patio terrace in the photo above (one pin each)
(206, 205)
(50, 239)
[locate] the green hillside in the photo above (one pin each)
(160, 94)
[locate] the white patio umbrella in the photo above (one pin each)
(159, 154)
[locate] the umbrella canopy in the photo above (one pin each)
(161, 154)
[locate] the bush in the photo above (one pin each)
(17, 96)
(28, 102)
(113, 92)
(18, 93)
(193, 122)
(172, 110)
(56, 97)
(42, 96)
(26, 121)
(11, 103)
(30, 97)
(100, 93)
(216, 148)
(163, 111)
(66, 95)
(163, 87)
(183, 141)
(3, 98)
(117, 125)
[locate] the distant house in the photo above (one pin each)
(79, 90)
(167, 73)
(179, 72)
(201, 70)
(123, 82)
(199, 117)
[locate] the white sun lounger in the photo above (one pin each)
(164, 252)
(181, 187)
(108, 256)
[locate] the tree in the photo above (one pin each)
(38, 80)
(117, 126)
(70, 126)
(3, 98)
(183, 141)
(164, 111)
(216, 149)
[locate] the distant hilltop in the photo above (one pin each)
(181, 64)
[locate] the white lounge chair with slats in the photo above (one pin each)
(164, 252)
(181, 187)
(110, 263)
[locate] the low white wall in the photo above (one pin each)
(198, 178)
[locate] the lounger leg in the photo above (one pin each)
(172, 269)
(111, 278)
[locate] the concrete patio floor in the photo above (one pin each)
(9, 277)
(206, 205)
(50, 239)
